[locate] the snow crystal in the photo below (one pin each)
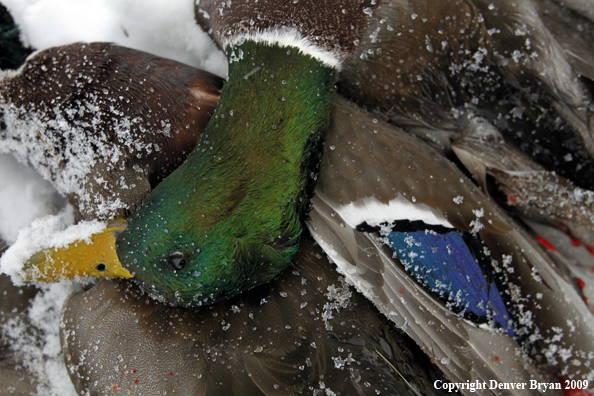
(565, 353)
(340, 362)
(338, 297)
(535, 275)
(322, 390)
(235, 309)
(476, 226)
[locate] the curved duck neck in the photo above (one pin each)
(270, 123)
(242, 194)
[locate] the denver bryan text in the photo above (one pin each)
(493, 384)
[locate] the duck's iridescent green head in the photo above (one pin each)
(230, 217)
(181, 254)
(187, 269)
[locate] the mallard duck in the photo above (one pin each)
(487, 80)
(455, 344)
(229, 218)
(320, 335)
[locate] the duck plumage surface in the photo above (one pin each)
(441, 72)
(457, 341)
(101, 106)
(449, 71)
(451, 68)
(573, 30)
(305, 332)
(379, 185)
(530, 192)
(433, 69)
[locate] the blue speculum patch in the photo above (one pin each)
(444, 264)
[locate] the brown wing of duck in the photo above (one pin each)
(370, 265)
(402, 64)
(545, 201)
(531, 58)
(427, 66)
(524, 182)
(365, 157)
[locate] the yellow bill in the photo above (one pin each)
(79, 259)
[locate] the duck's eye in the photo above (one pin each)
(100, 267)
(177, 261)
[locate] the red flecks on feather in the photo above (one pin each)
(512, 199)
(546, 244)
(576, 242)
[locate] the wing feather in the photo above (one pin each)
(549, 312)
